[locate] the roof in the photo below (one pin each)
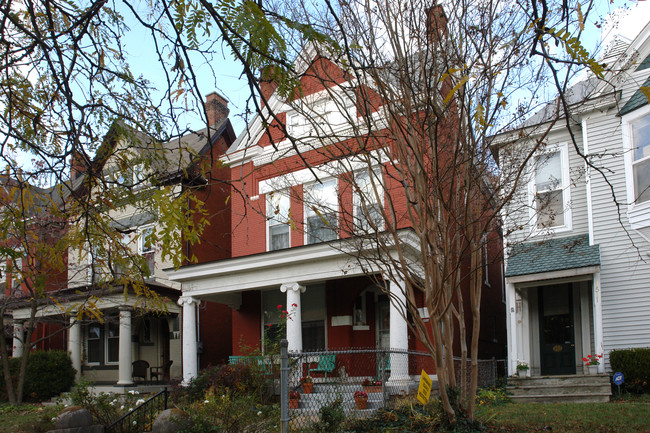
(552, 255)
(637, 100)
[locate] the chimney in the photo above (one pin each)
(268, 83)
(216, 108)
(436, 24)
(78, 165)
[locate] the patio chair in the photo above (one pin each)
(326, 364)
(160, 372)
(140, 368)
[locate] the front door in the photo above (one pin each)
(557, 336)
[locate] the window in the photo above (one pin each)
(278, 214)
(321, 212)
(112, 341)
(641, 159)
(368, 201)
(549, 190)
(313, 335)
(147, 248)
(94, 344)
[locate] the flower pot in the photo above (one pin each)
(592, 370)
(294, 403)
(372, 388)
(362, 403)
(307, 387)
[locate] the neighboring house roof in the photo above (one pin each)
(639, 99)
(552, 255)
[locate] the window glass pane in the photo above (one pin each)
(366, 196)
(548, 172)
(279, 237)
(113, 342)
(321, 209)
(642, 180)
(641, 138)
(313, 335)
(93, 346)
(146, 240)
(549, 209)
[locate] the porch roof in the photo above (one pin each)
(552, 255)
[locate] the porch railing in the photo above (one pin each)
(141, 418)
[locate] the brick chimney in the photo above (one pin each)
(268, 83)
(436, 24)
(78, 165)
(216, 108)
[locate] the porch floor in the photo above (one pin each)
(559, 389)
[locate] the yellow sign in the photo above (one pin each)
(424, 390)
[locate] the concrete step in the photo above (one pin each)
(560, 380)
(565, 398)
(559, 390)
(547, 389)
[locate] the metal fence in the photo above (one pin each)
(142, 417)
(358, 382)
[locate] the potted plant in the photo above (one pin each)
(307, 384)
(294, 399)
(522, 368)
(370, 385)
(592, 362)
(361, 399)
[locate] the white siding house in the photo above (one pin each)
(578, 237)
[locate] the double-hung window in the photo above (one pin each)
(321, 209)
(147, 248)
(112, 341)
(278, 215)
(640, 129)
(103, 342)
(368, 201)
(549, 189)
(94, 343)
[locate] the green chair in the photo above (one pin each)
(326, 364)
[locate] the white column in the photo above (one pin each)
(294, 324)
(190, 345)
(125, 373)
(19, 340)
(74, 345)
(598, 320)
(511, 327)
(399, 379)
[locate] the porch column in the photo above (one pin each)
(598, 320)
(125, 372)
(19, 339)
(294, 324)
(399, 379)
(511, 327)
(190, 345)
(74, 346)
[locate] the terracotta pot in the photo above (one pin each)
(294, 403)
(361, 402)
(372, 388)
(307, 387)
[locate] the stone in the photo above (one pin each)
(72, 417)
(171, 421)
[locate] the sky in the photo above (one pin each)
(228, 81)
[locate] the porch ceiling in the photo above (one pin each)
(552, 255)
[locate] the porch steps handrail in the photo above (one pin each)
(136, 421)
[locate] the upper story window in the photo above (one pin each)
(321, 211)
(549, 190)
(147, 248)
(368, 201)
(641, 160)
(278, 214)
(321, 116)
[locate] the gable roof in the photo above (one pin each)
(552, 255)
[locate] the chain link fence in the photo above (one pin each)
(358, 382)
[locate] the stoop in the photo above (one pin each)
(560, 389)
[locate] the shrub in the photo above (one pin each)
(635, 366)
(48, 374)
(330, 418)
(104, 407)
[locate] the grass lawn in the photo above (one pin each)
(630, 415)
(27, 418)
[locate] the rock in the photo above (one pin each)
(72, 417)
(171, 421)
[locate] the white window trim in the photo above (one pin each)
(566, 193)
(307, 208)
(287, 193)
(141, 231)
(377, 175)
(638, 214)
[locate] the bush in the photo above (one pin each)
(48, 375)
(635, 366)
(105, 408)
(330, 418)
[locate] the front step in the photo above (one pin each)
(559, 389)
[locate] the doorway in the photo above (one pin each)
(556, 328)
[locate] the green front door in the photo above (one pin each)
(557, 336)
